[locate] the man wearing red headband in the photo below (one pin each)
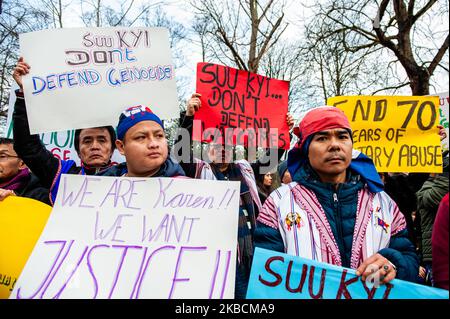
(335, 210)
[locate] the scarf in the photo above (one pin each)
(19, 181)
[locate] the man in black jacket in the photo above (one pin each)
(223, 167)
(15, 178)
(94, 146)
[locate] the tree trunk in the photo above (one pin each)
(420, 82)
(252, 61)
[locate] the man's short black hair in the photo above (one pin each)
(110, 129)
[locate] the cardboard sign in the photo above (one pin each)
(444, 100)
(23, 220)
(399, 133)
(118, 237)
(276, 275)
(242, 108)
(11, 102)
(86, 77)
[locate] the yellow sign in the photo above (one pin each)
(22, 221)
(399, 133)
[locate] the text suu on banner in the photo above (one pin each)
(241, 108)
(399, 133)
(275, 275)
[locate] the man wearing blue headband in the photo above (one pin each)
(141, 139)
(335, 211)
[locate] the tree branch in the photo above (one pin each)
(392, 88)
(359, 47)
(380, 14)
(126, 12)
(266, 42)
(411, 8)
(368, 35)
(422, 11)
(380, 34)
(265, 10)
(438, 57)
(237, 57)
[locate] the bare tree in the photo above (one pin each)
(240, 32)
(56, 8)
(402, 32)
(335, 71)
(101, 13)
(200, 27)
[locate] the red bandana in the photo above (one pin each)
(321, 119)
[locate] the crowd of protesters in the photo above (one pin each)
(325, 202)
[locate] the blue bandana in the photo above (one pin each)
(133, 115)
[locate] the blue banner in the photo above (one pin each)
(276, 275)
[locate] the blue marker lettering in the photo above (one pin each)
(43, 85)
(51, 82)
(112, 81)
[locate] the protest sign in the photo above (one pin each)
(60, 144)
(444, 101)
(11, 101)
(399, 133)
(243, 107)
(119, 237)
(85, 77)
(23, 220)
(276, 275)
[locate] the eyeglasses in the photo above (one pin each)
(5, 157)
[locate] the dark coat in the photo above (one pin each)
(30, 149)
(428, 199)
(440, 245)
(402, 191)
(33, 189)
(168, 169)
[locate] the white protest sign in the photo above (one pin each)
(85, 77)
(118, 237)
(444, 109)
(11, 101)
